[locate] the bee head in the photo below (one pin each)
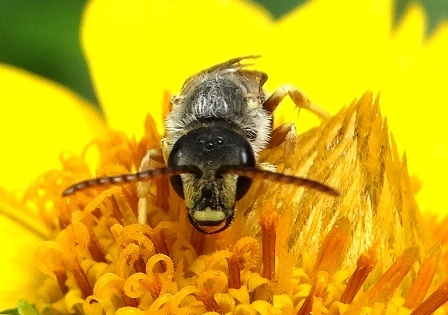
(210, 194)
(211, 168)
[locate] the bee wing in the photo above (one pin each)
(234, 63)
(256, 78)
(231, 64)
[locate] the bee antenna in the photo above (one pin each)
(253, 172)
(128, 178)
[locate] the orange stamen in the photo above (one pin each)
(116, 208)
(131, 197)
(434, 301)
(64, 214)
(130, 258)
(307, 306)
(81, 279)
(322, 279)
(391, 279)
(207, 298)
(51, 260)
(441, 232)
(234, 272)
(112, 281)
(245, 255)
(94, 245)
(268, 239)
(424, 278)
(139, 265)
(61, 277)
(160, 244)
(365, 264)
(209, 283)
(154, 288)
(158, 237)
(198, 241)
(160, 269)
(332, 247)
(128, 301)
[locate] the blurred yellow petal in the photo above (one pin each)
(20, 277)
(419, 125)
(138, 49)
(333, 48)
(39, 120)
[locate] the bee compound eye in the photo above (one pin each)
(246, 155)
(242, 186)
(247, 159)
(176, 183)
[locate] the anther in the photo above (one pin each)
(365, 264)
(268, 239)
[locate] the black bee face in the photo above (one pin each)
(209, 194)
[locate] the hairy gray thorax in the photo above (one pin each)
(218, 98)
(225, 97)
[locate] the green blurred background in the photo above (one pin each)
(42, 36)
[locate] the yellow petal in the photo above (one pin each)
(20, 277)
(137, 50)
(39, 120)
(414, 100)
(333, 49)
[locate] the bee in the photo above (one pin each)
(218, 124)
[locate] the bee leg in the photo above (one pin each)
(284, 135)
(283, 132)
(153, 159)
(298, 97)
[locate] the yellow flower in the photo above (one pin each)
(139, 51)
(372, 254)
(39, 120)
